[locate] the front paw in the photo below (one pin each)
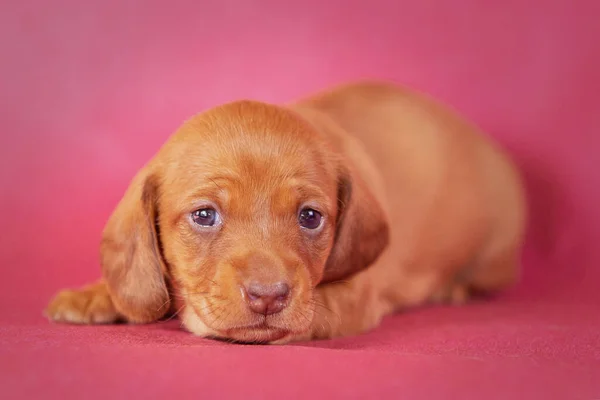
(294, 338)
(454, 294)
(91, 305)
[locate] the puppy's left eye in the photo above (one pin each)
(206, 217)
(309, 218)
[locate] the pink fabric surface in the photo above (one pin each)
(90, 90)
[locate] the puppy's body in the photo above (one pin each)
(418, 207)
(453, 199)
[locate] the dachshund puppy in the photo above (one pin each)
(312, 220)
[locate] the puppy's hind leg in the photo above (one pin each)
(494, 272)
(486, 275)
(91, 304)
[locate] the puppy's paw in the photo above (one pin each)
(89, 305)
(455, 294)
(294, 337)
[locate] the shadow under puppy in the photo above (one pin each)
(264, 223)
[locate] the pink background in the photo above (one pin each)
(90, 90)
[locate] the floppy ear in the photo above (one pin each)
(131, 259)
(362, 230)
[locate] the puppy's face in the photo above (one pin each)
(233, 224)
(247, 218)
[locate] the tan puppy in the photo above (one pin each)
(264, 223)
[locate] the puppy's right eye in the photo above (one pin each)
(309, 218)
(205, 217)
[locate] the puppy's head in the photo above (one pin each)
(241, 214)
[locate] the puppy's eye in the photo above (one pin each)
(309, 218)
(205, 216)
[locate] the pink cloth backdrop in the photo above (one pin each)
(90, 89)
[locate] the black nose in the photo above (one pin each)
(267, 298)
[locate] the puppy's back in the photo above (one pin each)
(450, 191)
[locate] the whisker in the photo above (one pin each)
(323, 305)
(212, 313)
(209, 306)
(339, 282)
(213, 181)
(173, 316)
(223, 318)
(211, 281)
(319, 304)
(163, 304)
(189, 294)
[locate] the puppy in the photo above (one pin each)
(312, 220)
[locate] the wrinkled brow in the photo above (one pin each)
(209, 187)
(306, 189)
(214, 186)
(226, 178)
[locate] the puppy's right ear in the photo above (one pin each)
(132, 263)
(362, 231)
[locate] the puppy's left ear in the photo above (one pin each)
(362, 230)
(132, 262)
